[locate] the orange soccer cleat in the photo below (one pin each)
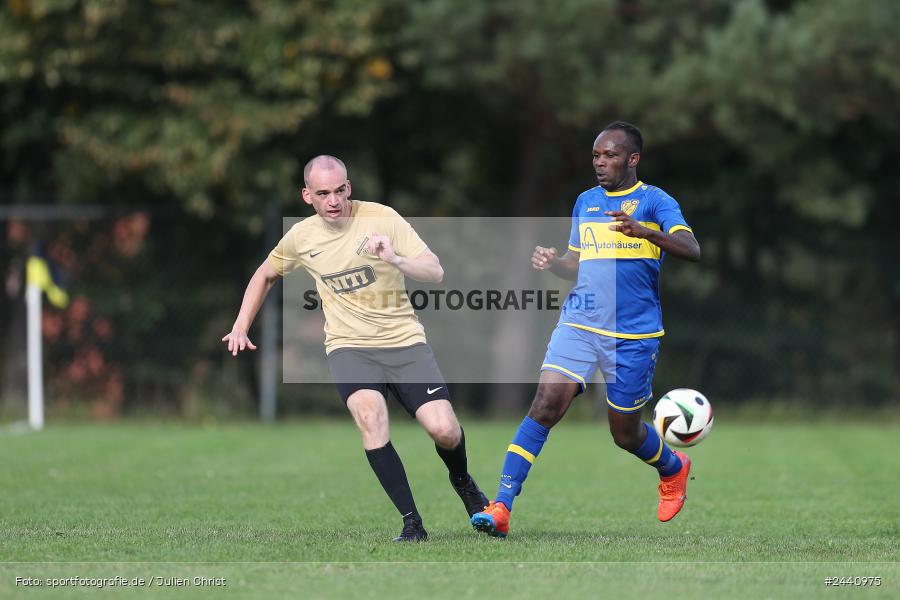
(673, 490)
(493, 520)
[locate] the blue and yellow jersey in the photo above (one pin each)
(617, 291)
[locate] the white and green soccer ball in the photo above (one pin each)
(683, 417)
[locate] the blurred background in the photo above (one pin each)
(149, 150)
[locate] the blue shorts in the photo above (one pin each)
(625, 365)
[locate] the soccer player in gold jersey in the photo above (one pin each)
(359, 253)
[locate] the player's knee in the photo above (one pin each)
(370, 419)
(446, 433)
(371, 422)
(548, 406)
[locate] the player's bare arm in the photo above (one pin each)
(426, 267)
(260, 284)
(680, 244)
(565, 266)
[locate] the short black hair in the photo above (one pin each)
(635, 139)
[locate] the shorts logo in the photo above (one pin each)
(629, 206)
(350, 280)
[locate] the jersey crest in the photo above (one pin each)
(629, 206)
(363, 245)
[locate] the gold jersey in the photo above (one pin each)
(363, 297)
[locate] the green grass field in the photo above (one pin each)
(772, 511)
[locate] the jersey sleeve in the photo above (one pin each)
(667, 215)
(574, 232)
(285, 257)
(404, 238)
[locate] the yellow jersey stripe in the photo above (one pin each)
(625, 192)
(599, 241)
(616, 334)
(574, 249)
(564, 371)
(627, 409)
(523, 452)
(675, 228)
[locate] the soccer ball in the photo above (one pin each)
(683, 417)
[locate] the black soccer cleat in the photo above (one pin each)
(412, 532)
(472, 497)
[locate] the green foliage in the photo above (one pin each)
(190, 100)
(772, 122)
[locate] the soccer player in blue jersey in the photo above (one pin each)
(611, 320)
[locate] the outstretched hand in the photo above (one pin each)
(238, 341)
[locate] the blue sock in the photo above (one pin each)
(655, 453)
(520, 455)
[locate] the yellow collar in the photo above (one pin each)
(625, 192)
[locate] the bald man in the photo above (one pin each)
(359, 253)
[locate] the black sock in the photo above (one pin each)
(455, 459)
(387, 466)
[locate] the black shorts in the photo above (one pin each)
(410, 372)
